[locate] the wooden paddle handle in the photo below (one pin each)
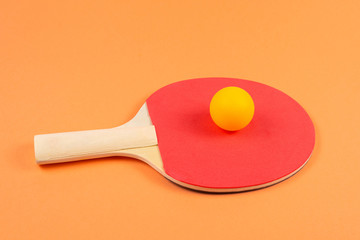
(72, 146)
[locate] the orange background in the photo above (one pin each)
(77, 65)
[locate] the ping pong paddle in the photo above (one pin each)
(173, 133)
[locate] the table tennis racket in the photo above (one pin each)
(174, 133)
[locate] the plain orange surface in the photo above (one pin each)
(77, 65)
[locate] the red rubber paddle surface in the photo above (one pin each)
(278, 141)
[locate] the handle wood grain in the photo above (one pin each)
(79, 145)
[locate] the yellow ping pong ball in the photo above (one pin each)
(232, 108)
